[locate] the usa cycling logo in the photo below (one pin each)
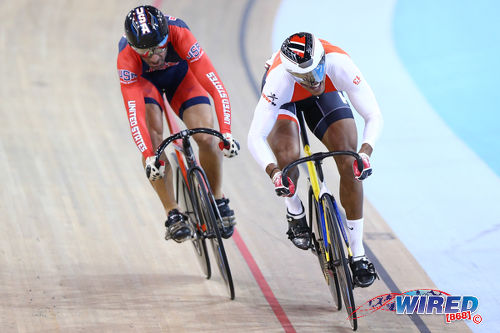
(141, 16)
(424, 301)
(126, 76)
(195, 52)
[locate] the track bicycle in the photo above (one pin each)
(195, 198)
(329, 241)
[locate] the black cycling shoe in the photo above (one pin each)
(363, 272)
(228, 219)
(177, 226)
(298, 231)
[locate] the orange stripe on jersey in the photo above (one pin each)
(287, 117)
(329, 86)
(329, 48)
(276, 63)
(299, 93)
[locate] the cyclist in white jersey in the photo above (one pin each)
(310, 74)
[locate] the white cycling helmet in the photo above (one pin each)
(303, 56)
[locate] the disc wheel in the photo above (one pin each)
(329, 273)
(206, 205)
(185, 203)
(339, 262)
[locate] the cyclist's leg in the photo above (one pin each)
(154, 104)
(200, 115)
(337, 130)
(284, 140)
(176, 223)
(190, 102)
(192, 105)
(332, 122)
(342, 135)
(285, 143)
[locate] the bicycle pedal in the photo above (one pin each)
(196, 235)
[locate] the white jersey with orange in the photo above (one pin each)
(280, 88)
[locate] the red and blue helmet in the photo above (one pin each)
(146, 27)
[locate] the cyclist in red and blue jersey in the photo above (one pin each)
(159, 55)
(311, 75)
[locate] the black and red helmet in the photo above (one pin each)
(303, 56)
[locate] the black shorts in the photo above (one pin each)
(321, 111)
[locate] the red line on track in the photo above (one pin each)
(264, 286)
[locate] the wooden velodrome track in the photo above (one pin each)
(82, 246)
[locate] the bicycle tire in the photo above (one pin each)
(339, 261)
(185, 203)
(206, 205)
(329, 274)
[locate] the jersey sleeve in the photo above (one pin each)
(347, 77)
(276, 92)
(189, 49)
(129, 72)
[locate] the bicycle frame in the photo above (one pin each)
(316, 179)
(204, 204)
(333, 241)
(182, 148)
(187, 152)
(192, 166)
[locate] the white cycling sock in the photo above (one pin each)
(355, 230)
(294, 205)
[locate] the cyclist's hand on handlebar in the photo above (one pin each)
(367, 169)
(154, 170)
(282, 190)
(232, 148)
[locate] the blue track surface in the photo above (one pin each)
(452, 51)
(432, 66)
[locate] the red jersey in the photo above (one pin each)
(182, 49)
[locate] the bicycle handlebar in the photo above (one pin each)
(184, 134)
(318, 157)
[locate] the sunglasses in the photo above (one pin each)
(313, 78)
(152, 50)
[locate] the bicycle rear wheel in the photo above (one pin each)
(338, 259)
(206, 205)
(184, 201)
(329, 272)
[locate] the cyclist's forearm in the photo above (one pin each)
(136, 113)
(366, 148)
(365, 104)
(262, 124)
(271, 169)
(260, 150)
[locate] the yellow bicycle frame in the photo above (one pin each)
(313, 178)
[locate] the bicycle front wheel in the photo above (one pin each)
(338, 260)
(206, 210)
(198, 241)
(329, 273)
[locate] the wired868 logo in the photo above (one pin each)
(425, 301)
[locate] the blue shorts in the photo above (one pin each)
(319, 111)
(180, 86)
